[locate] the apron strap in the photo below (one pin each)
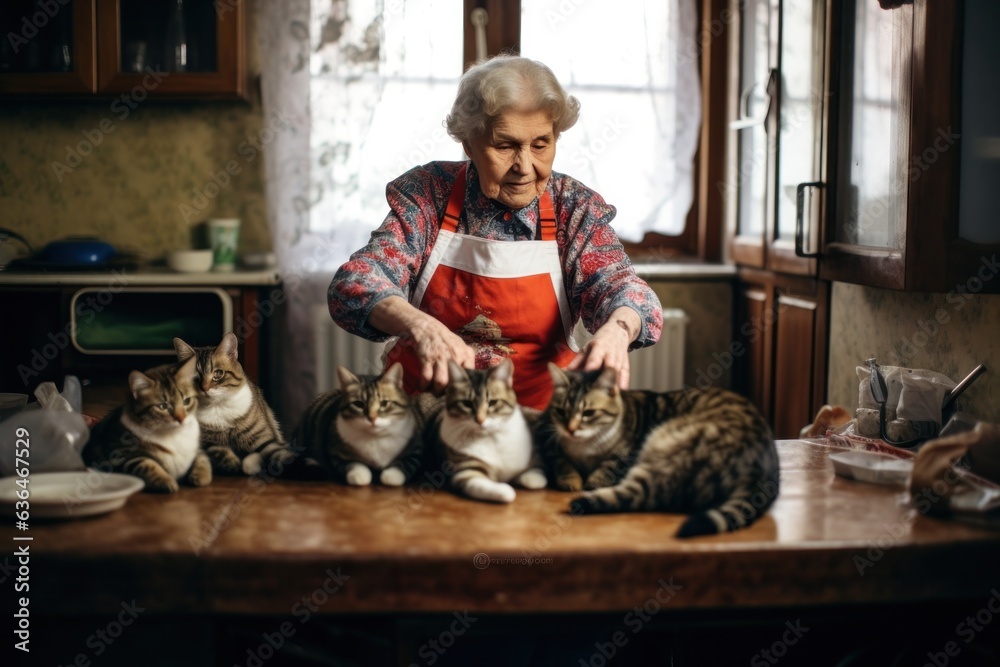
(455, 202)
(546, 212)
(547, 217)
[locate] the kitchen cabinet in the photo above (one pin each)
(912, 166)
(774, 196)
(781, 349)
(100, 326)
(156, 49)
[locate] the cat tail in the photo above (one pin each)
(741, 509)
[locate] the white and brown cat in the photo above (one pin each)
(155, 435)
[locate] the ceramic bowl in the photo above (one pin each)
(190, 261)
(78, 250)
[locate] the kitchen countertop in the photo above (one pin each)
(248, 546)
(136, 277)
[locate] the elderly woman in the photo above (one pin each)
(498, 256)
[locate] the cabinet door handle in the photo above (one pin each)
(800, 197)
(745, 121)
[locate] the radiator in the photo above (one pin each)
(660, 367)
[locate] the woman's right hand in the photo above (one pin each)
(434, 343)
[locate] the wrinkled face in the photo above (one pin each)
(514, 161)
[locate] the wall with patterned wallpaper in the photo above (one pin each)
(131, 188)
(709, 307)
(949, 333)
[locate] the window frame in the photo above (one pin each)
(702, 237)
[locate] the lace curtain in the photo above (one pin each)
(360, 88)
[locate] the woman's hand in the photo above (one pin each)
(434, 344)
(609, 346)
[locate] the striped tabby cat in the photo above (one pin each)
(369, 424)
(155, 434)
(238, 429)
(485, 436)
(709, 451)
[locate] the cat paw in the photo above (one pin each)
(281, 459)
(224, 461)
(358, 474)
(533, 478)
(253, 464)
(392, 477)
(569, 484)
(162, 485)
(597, 482)
(200, 473)
(585, 504)
(505, 493)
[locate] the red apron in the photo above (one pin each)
(504, 298)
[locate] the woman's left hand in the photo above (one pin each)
(609, 346)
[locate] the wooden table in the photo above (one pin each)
(250, 547)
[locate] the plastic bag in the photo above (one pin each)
(56, 431)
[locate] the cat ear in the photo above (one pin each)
(504, 372)
(559, 377)
(346, 377)
(182, 349)
(608, 379)
(394, 375)
(137, 381)
(187, 370)
(456, 373)
(229, 346)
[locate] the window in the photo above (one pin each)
(384, 74)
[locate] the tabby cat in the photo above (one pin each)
(369, 424)
(707, 452)
(238, 429)
(485, 436)
(155, 434)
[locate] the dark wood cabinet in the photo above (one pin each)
(189, 49)
(782, 330)
(913, 154)
(775, 195)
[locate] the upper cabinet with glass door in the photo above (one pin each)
(776, 183)
(154, 48)
(913, 188)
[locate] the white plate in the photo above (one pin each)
(69, 494)
(872, 467)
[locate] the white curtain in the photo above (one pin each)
(359, 90)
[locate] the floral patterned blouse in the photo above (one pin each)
(597, 273)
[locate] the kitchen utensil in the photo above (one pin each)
(947, 408)
(190, 261)
(880, 392)
(77, 250)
